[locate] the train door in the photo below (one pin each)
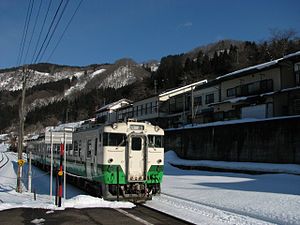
(136, 158)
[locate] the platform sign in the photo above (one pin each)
(58, 136)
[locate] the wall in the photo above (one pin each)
(274, 141)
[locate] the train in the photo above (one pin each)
(122, 160)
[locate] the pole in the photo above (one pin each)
(51, 163)
(21, 132)
(65, 164)
(29, 173)
(60, 174)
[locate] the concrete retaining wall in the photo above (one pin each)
(273, 141)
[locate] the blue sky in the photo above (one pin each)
(105, 31)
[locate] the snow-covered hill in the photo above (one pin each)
(120, 74)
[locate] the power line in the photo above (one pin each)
(71, 19)
(49, 29)
(55, 27)
(41, 31)
(33, 30)
(26, 31)
(23, 35)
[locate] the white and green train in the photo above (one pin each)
(123, 160)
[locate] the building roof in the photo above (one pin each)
(258, 67)
(177, 91)
(115, 105)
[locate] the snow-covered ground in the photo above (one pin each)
(230, 198)
(198, 196)
(9, 198)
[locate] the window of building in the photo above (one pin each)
(96, 145)
(209, 99)
(198, 100)
(266, 85)
(150, 108)
(89, 148)
(297, 73)
(231, 92)
(253, 88)
(79, 148)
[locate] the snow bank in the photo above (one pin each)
(4, 147)
(172, 158)
(10, 199)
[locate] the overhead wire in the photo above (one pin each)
(63, 33)
(19, 58)
(49, 30)
(26, 32)
(41, 31)
(34, 26)
(54, 30)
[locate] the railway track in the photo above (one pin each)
(150, 216)
(207, 211)
(4, 160)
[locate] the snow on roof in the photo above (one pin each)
(168, 94)
(292, 55)
(227, 122)
(115, 105)
(260, 66)
(61, 127)
(256, 67)
(233, 100)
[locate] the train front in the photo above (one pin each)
(133, 160)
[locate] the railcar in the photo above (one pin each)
(122, 160)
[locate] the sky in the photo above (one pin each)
(105, 31)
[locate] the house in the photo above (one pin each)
(111, 112)
(260, 91)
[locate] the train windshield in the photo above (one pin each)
(114, 139)
(155, 141)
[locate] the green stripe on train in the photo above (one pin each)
(154, 175)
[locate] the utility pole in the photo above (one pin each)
(21, 131)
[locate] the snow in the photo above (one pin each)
(256, 67)
(82, 82)
(227, 122)
(228, 198)
(200, 197)
(10, 199)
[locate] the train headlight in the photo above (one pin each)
(114, 126)
(159, 161)
(156, 128)
(110, 160)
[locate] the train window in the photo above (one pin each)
(136, 143)
(96, 143)
(75, 148)
(155, 141)
(114, 139)
(89, 148)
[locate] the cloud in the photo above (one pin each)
(187, 24)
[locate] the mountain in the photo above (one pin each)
(51, 85)
(61, 93)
